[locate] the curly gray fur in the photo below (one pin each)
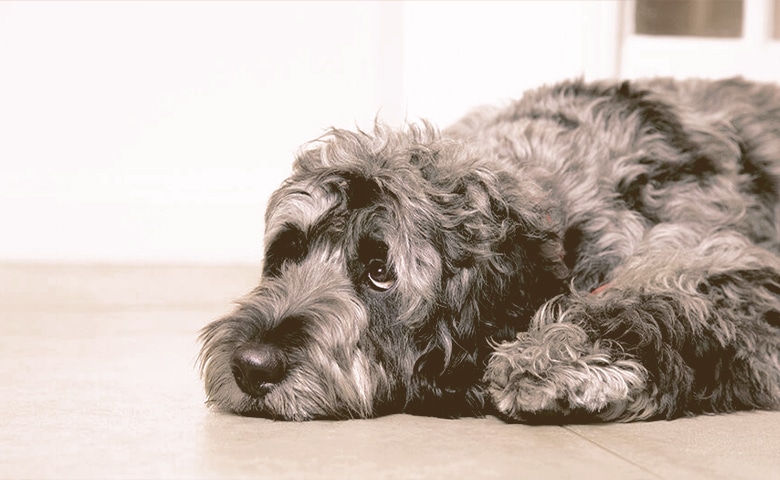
(592, 252)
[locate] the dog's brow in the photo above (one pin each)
(301, 192)
(301, 206)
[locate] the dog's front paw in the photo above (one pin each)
(558, 372)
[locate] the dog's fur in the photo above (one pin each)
(592, 252)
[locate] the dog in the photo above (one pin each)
(593, 252)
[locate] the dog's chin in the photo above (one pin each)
(271, 404)
(287, 416)
(299, 397)
(259, 408)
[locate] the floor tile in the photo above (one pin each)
(743, 445)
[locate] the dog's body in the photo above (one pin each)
(590, 252)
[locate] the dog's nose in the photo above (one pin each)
(257, 367)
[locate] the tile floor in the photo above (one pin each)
(97, 380)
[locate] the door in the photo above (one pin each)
(701, 38)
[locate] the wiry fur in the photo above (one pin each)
(604, 251)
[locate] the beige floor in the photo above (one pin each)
(97, 380)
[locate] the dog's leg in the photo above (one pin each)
(682, 344)
(558, 371)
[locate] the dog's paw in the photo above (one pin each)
(558, 372)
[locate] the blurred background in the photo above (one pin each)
(154, 132)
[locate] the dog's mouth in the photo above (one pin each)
(258, 368)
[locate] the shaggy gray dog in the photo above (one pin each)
(592, 252)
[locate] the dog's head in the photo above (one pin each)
(393, 260)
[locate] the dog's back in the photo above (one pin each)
(622, 156)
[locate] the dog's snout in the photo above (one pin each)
(257, 367)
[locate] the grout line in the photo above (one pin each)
(612, 452)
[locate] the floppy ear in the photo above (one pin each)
(502, 258)
(503, 254)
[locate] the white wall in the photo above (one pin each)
(149, 131)
(458, 55)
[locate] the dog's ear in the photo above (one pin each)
(502, 247)
(502, 257)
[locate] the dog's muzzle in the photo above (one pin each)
(257, 367)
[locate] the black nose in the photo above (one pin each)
(257, 367)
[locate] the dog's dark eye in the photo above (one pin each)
(380, 275)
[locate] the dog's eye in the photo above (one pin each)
(380, 275)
